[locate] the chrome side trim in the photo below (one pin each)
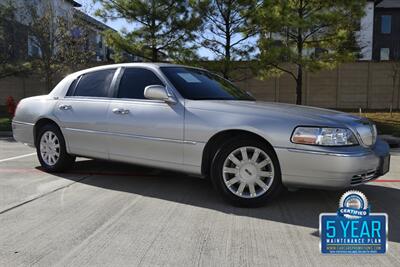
(134, 136)
(189, 142)
(23, 123)
(358, 154)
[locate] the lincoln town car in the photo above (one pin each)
(190, 120)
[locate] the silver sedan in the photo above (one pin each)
(190, 120)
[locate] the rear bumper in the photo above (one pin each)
(332, 169)
(23, 132)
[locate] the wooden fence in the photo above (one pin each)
(351, 86)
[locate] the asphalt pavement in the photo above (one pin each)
(112, 214)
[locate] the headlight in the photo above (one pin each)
(367, 133)
(323, 136)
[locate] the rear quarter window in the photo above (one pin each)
(93, 84)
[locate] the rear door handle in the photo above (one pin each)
(65, 107)
(120, 111)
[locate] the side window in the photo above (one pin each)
(71, 88)
(133, 82)
(95, 84)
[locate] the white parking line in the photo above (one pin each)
(17, 157)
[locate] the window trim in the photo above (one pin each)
(71, 91)
(144, 100)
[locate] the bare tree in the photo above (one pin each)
(395, 75)
(10, 64)
(62, 41)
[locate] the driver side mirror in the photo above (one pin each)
(158, 92)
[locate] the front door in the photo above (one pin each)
(141, 130)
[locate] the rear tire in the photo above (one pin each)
(246, 172)
(51, 149)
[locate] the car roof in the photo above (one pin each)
(60, 89)
(136, 64)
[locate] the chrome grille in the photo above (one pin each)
(364, 177)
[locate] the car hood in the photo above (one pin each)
(303, 114)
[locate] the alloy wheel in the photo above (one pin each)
(50, 148)
(248, 172)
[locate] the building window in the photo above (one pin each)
(33, 47)
(385, 53)
(318, 52)
(386, 24)
(99, 41)
(76, 33)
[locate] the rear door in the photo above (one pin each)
(83, 112)
(142, 130)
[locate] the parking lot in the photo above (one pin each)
(111, 214)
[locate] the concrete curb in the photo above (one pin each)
(6, 134)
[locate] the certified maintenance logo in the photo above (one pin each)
(353, 205)
(353, 229)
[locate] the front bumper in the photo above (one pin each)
(345, 167)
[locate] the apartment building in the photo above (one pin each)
(24, 45)
(379, 35)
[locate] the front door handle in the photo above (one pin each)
(120, 111)
(65, 107)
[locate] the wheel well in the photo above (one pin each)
(217, 140)
(39, 124)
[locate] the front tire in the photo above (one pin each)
(246, 172)
(51, 149)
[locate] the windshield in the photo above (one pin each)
(198, 84)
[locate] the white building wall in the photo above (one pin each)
(366, 33)
(63, 8)
(59, 7)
